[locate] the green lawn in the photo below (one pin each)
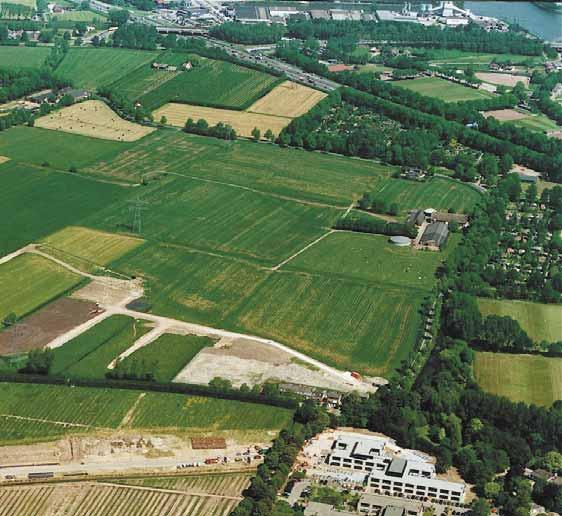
(89, 354)
(212, 83)
(34, 203)
(371, 258)
(55, 149)
(223, 218)
(438, 193)
(444, 56)
(28, 282)
(107, 409)
(528, 378)
(94, 67)
(442, 89)
(23, 57)
(540, 321)
(80, 16)
(166, 356)
(292, 173)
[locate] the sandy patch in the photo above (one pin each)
(503, 115)
(242, 122)
(4, 159)
(503, 79)
(288, 99)
(93, 118)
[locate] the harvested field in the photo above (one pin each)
(503, 79)
(242, 122)
(529, 378)
(208, 443)
(289, 99)
(93, 118)
(4, 159)
(29, 281)
(40, 328)
(89, 245)
(92, 499)
(503, 115)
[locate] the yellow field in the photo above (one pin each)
(242, 122)
(93, 118)
(289, 99)
(90, 245)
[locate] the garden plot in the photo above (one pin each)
(503, 115)
(93, 118)
(242, 121)
(250, 362)
(289, 99)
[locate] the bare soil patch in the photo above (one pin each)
(208, 443)
(4, 159)
(41, 327)
(503, 79)
(503, 115)
(93, 118)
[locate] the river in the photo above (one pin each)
(541, 22)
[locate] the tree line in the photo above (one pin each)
(362, 223)
(248, 34)
(220, 130)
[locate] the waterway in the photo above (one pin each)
(544, 23)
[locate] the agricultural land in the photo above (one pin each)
(542, 322)
(445, 90)
(528, 378)
(16, 58)
(93, 118)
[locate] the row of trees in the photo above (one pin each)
(370, 224)
(136, 35)
(470, 38)
(221, 130)
(249, 34)
(547, 83)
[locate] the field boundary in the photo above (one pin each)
(305, 248)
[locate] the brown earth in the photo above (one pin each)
(504, 115)
(40, 328)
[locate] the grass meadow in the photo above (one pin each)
(540, 123)
(97, 408)
(80, 16)
(438, 193)
(540, 321)
(167, 355)
(53, 149)
(27, 282)
(528, 378)
(35, 203)
(212, 83)
(442, 89)
(89, 354)
(307, 176)
(23, 58)
(94, 67)
(217, 217)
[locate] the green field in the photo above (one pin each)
(438, 193)
(528, 378)
(29, 281)
(167, 355)
(87, 246)
(307, 176)
(21, 58)
(539, 123)
(371, 258)
(54, 149)
(34, 203)
(212, 83)
(104, 409)
(224, 218)
(94, 67)
(442, 89)
(80, 16)
(200, 415)
(346, 322)
(445, 56)
(540, 321)
(89, 354)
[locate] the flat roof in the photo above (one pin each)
(397, 467)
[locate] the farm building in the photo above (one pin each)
(76, 95)
(41, 96)
(435, 235)
(459, 218)
(416, 217)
